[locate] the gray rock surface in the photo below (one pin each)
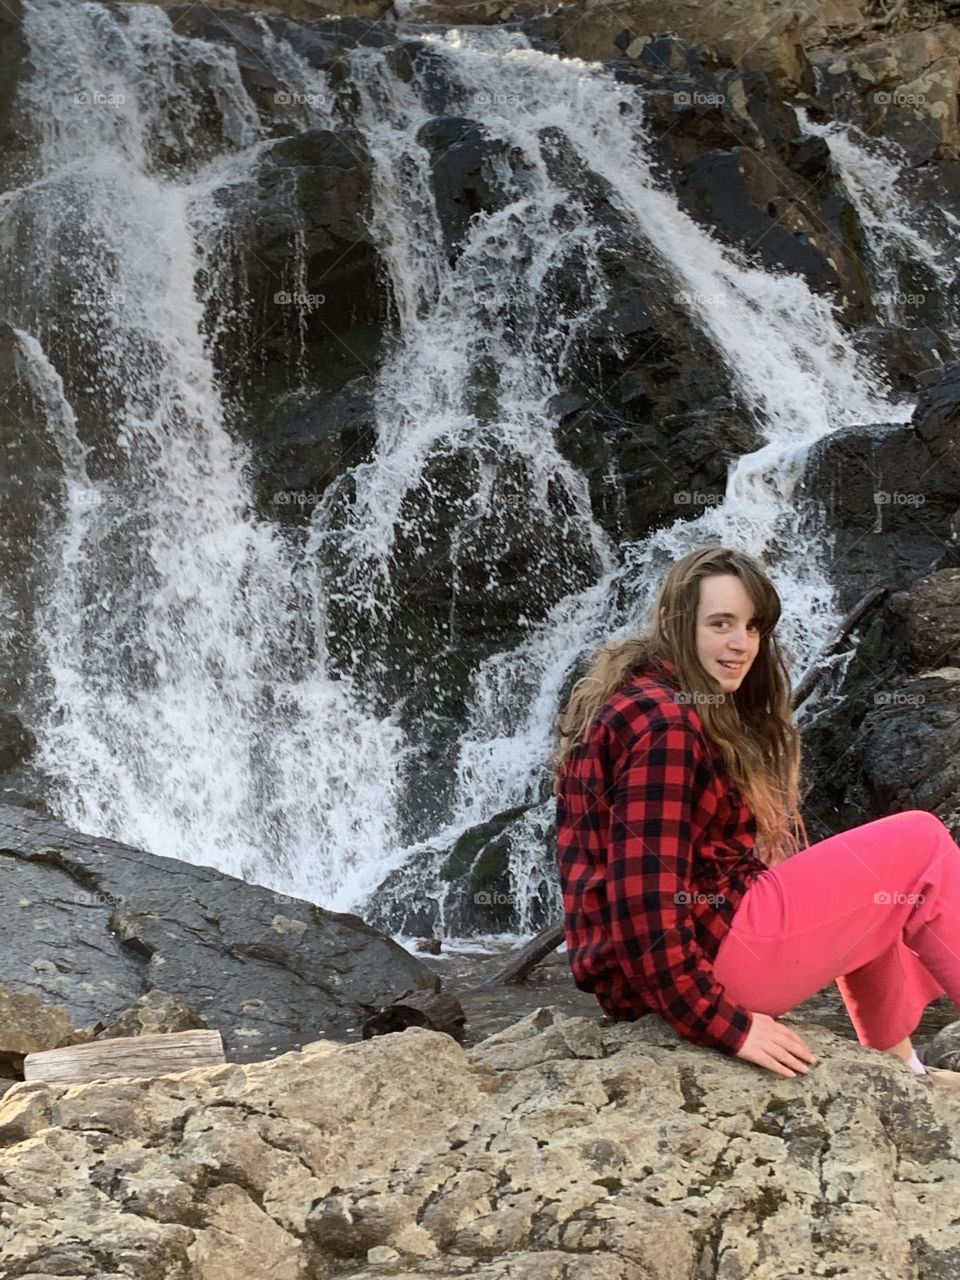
(93, 925)
(556, 1150)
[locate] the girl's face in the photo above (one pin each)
(728, 631)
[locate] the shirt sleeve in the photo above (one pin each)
(649, 885)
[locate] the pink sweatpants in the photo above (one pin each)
(877, 908)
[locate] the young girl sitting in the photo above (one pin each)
(690, 887)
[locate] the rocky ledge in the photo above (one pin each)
(105, 934)
(558, 1149)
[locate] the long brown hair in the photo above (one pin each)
(752, 728)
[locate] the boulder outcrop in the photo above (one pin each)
(558, 1149)
(100, 925)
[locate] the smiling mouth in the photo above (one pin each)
(732, 667)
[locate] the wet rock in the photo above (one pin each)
(464, 167)
(309, 441)
(101, 924)
(16, 741)
(908, 747)
(310, 266)
(936, 419)
(885, 739)
(931, 613)
(888, 502)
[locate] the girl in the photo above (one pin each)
(690, 887)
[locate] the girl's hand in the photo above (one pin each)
(772, 1045)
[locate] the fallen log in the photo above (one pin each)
(435, 1010)
(550, 938)
(126, 1056)
(815, 672)
(531, 954)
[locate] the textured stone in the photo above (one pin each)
(616, 1151)
(101, 923)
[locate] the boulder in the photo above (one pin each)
(908, 747)
(754, 34)
(931, 613)
(559, 1148)
(100, 924)
(889, 736)
(888, 502)
(28, 1025)
(902, 86)
(155, 1013)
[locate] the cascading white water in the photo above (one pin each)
(176, 707)
(794, 365)
(875, 174)
(172, 713)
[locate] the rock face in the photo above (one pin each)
(756, 34)
(890, 742)
(98, 925)
(903, 86)
(559, 1149)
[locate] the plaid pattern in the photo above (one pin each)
(655, 854)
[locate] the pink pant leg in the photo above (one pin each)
(876, 908)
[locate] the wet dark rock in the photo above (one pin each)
(936, 419)
(809, 156)
(884, 739)
(888, 502)
(309, 199)
(16, 741)
(307, 443)
(463, 172)
(101, 924)
(909, 747)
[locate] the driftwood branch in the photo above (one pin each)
(817, 672)
(530, 955)
(550, 938)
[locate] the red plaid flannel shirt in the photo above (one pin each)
(654, 847)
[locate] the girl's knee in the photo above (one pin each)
(926, 823)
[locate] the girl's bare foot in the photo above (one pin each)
(944, 1079)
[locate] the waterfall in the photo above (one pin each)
(211, 690)
(911, 246)
(174, 712)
